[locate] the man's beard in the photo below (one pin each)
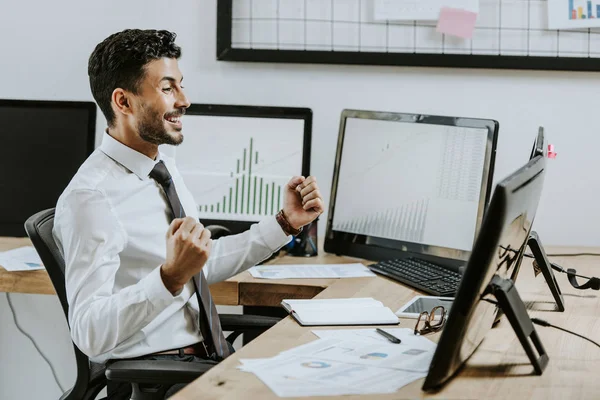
(151, 128)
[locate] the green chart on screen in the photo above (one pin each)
(251, 194)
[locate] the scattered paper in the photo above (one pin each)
(302, 376)
(345, 361)
(21, 259)
(406, 335)
(301, 271)
(408, 10)
(457, 22)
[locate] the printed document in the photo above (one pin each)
(311, 271)
(21, 259)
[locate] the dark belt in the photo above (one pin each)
(197, 349)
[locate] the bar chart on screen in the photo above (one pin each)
(411, 180)
(240, 172)
(251, 194)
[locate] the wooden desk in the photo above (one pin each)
(500, 365)
(241, 289)
(35, 282)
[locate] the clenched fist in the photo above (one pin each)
(302, 202)
(188, 249)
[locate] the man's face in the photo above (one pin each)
(161, 103)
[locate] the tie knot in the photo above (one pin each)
(160, 173)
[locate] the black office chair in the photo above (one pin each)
(92, 377)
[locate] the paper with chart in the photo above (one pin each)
(237, 167)
(303, 271)
(299, 376)
(369, 334)
(408, 10)
(418, 183)
(21, 259)
(412, 354)
(573, 14)
(334, 366)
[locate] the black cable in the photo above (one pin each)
(565, 254)
(572, 254)
(558, 268)
(541, 322)
(12, 310)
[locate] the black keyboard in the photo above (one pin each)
(420, 274)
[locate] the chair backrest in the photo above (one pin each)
(39, 229)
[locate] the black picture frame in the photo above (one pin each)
(225, 52)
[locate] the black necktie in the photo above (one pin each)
(210, 325)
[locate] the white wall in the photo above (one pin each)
(44, 50)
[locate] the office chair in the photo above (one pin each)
(92, 377)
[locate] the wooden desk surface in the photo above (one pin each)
(35, 282)
(500, 364)
(241, 289)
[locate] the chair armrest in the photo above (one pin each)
(156, 371)
(237, 322)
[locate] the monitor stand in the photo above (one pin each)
(510, 303)
(542, 264)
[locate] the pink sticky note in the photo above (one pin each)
(457, 22)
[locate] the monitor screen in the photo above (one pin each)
(236, 160)
(498, 250)
(405, 179)
(43, 145)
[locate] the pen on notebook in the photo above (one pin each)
(388, 336)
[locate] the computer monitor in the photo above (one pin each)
(43, 145)
(237, 159)
(409, 183)
(496, 255)
(541, 263)
(539, 144)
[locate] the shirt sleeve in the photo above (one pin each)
(101, 315)
(233, 254)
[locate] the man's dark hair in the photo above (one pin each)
(119, 61)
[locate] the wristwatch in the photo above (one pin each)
(285, 224)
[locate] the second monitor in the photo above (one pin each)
(237, 159)
(409, 185)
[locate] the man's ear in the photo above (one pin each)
(121, 101)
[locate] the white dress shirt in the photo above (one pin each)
(110, 224)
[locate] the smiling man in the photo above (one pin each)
(138, 261)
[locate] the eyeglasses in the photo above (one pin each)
(431, 321)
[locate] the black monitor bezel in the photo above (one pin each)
(11, 229)
(448, 359)
(250, 111)
(89, 106)
(342, 243)
(539, 144)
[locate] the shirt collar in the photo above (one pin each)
(136, 162)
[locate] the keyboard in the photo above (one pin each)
(420, 274)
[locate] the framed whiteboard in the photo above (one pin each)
(509, 34)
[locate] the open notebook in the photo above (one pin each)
(359, 311)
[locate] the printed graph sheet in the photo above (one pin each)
(504, 28)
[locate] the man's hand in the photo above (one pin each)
(302, 201)
(188, 249)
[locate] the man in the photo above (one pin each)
(136, 256)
